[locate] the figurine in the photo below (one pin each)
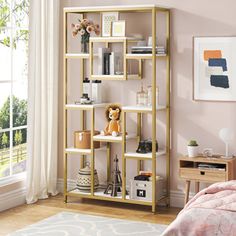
(116, 184)
(113, 117)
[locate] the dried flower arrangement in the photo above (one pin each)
(85, 27)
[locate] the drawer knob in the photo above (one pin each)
(202, 172)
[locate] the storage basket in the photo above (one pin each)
(142, 190)
(82, 139)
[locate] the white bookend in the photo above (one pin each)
(112, 64)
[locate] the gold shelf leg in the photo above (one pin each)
(123, 115)
(154, 110)
(125, 60)
(139, 134)
(83, 113)
(92, 151)
(108, 162)
(140, 69)
(64, 103)
(65, 178)
(168, 109)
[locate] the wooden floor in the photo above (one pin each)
(24, 215)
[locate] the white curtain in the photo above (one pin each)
(42, 100)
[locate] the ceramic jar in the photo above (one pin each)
(193, 151)
(84, 179)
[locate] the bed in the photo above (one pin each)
(210, 212)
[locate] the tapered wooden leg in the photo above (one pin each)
(65, 198)
(187, 186)
(196, 187)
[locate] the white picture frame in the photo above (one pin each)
(107, 19)
(214, 69)
(118, 28)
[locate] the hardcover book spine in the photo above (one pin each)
(106, 63)
(100, 61)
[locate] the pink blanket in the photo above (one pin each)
(210, 212)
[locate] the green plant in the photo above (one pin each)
(192, 143)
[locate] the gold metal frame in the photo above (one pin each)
(153, 10)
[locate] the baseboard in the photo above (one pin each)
(12, 199)
(176, 196)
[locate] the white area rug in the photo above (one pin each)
(73, 224)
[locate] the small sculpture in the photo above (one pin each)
(113, 128)
(116, 184)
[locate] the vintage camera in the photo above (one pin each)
(145, 146)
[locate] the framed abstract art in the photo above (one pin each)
(214, 65)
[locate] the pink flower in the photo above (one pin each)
(77, 26)
(74, 33)
(97, 32)
(96, 27)
(82, 31)
(89, 29)
(84, 22)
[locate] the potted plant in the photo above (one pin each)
(85, 27)
(192, 148)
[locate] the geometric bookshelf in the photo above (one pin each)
(152, 111)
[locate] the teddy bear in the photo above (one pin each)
(113, 117)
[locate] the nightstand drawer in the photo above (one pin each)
(202, 175)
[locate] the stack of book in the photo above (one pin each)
(109, 63)
(148, 50)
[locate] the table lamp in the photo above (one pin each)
(226, 135)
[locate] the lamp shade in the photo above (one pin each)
(226, 135)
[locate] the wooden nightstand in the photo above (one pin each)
(190, 171)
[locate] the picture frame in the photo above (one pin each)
(214, 69)
(118, 28)
(107, 18)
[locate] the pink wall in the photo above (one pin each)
(199, 120)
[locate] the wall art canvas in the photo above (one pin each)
(214, 68)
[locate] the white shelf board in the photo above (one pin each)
(142, 155)
(142, 55)
(102, 194)
(73, 150)
(110, 138)
(85, 107)
(114, 8)
(77, 150)
(99, 194)
(77, 55)
(77, 191)
(142, 108)
(108, 77)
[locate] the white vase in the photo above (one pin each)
(192, 151)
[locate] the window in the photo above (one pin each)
(13, 86)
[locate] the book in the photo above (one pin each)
(106, 65)
(101, 52)
(148, 49)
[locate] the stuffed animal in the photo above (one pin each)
(113, 117)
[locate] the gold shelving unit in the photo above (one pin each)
(140, 158)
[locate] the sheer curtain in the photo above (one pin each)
(42, 100)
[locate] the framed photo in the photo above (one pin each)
(214, 68)
(107, 19)
(118, 28)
